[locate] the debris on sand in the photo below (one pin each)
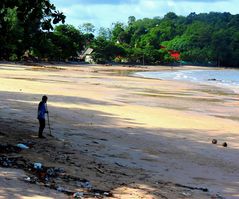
(8, 148)
(193, 188)
(22, 146)
(51, 177)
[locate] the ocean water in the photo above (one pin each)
(222, 77)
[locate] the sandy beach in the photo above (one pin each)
(134, 137)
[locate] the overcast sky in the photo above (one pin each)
(102, 13)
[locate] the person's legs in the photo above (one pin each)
(41, 127)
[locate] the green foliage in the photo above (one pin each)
(21, 22)
(105, 51)
(87, 28)
(135, 55)
(105, 33)
(11, 35)
(200, 38)
(64, 42)
(131, 20)
(117, 30)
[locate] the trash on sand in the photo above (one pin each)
(118, 164)
(6, 162)
(27, 179)
(30, 179)
(47, 176)
(60, 189)
(30, 144)
(22, 146)
(217, 196)
(8, 148)
(187, 194)
(107, 194)
(98, 169)
(192, 188)
(78, 195)
(86, 185)
(37, 165)
(63, 190)
(98, 192)
(51, 172)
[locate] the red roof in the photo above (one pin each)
(175, 54)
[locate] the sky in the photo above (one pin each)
(102, 13)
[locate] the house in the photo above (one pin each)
(174, 54)
(86, 55)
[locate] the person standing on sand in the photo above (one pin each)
(42, 110)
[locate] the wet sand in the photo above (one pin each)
(136, 137)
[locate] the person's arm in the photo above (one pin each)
(46, 111)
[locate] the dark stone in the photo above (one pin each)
(214, 141)
(224, 144)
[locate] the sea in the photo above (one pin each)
(228, 78)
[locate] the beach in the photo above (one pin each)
(135, 137)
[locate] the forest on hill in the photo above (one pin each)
(37, 27)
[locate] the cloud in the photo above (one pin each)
(206, 1)
(93, 2)
(105, 12)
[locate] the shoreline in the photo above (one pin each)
(193, 78)
(157, 130)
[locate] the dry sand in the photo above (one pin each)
(135, 137)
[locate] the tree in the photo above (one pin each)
(105, 33)
(235, 49)
(31, 17)
(68, 41)
(131, 20)
(87, 28)
(11, 35)
(117, 29)
(105, 51)
(221, 41)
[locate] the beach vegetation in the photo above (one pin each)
(32, 29)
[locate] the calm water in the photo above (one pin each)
(226, 77)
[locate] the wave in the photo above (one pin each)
(223, 77)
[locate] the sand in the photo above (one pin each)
(135, 137)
